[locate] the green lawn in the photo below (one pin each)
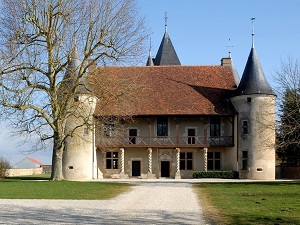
(27, 188)
(251, 203)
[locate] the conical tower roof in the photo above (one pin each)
(73, 66)
(71, 74)
(236, 76)
(166, 54)
(149, 61)
(253, 80)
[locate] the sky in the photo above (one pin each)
(200, 31)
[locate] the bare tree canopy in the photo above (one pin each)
(41, 39)
(288, 132)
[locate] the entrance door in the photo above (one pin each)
(165, 169)
(136, 168)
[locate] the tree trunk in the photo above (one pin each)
(57, 159)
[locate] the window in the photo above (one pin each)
(85, 130)
(112, 160)
(186, 161)
(191, 136)
(214, 126)
(162, 127)
(109, 129)
(249, 99)
(214, 160)
(244, 160)
(245, 127)
(132, 136)
(91, 100)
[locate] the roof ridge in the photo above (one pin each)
(140, 66)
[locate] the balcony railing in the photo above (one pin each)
(168, 141)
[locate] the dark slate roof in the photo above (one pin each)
(72, 72)
(253, 80)
(166, 54)
(235, 73)
(150, 61)
(73, 66)
(167, 90)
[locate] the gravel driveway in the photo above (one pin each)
(147, 203)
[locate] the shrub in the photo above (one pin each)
(216, 174)
(4, 166)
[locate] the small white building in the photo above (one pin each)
(27, 163)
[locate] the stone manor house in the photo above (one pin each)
(187, 118)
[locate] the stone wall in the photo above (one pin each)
(289, 172)
(24, 172)
(47, 168)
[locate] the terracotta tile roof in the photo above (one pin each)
(171, 90)
(35, 161)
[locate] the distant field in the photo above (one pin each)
(251, 203)
(28, 188)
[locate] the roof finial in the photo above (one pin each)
(150, 49)
(253, 31)
(229, 46)
(166, 21)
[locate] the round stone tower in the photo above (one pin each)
(79, 158)
(255, 102)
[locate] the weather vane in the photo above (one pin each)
(253, 31)
(166, 21)
(230, 47)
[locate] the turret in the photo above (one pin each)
(150, 59)
(79, 161)
(255, 102)
(166, 54)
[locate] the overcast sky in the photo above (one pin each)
(200, 31)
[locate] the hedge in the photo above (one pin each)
(216, 174)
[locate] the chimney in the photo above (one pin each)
(226, 62)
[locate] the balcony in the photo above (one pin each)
(168, 141)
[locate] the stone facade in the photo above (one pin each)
(188, 118)
(256, 134)
(79, 161)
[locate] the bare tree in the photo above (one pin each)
(40, 39)
(288, 132)
(4, 166)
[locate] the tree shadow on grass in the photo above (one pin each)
(33, 177)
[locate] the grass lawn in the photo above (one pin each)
(251, 203)
(27, 188)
